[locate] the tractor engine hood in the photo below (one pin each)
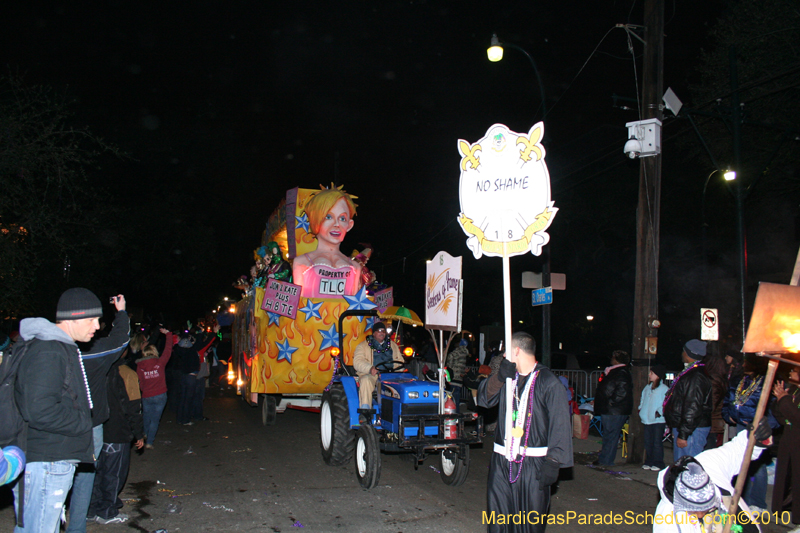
(403, 386)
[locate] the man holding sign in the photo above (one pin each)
(533, 438)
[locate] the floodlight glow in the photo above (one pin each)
(730, 175)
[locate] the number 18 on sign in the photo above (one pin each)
(543, 296)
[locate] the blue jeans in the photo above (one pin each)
(46, 488)
(697, 441)
(612, 427)
(755, 488)
(653, 445)
(151, 412)
(82, 486)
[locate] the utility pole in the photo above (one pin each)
(648, 221)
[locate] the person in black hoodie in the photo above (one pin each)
(97, 361)
(613, 400)
(187, 355)
(124, 425)
(52, 393)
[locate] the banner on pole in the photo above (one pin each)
(505, 192)
(443, 285)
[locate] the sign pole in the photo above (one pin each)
(507, 299)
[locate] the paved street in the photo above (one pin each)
(233, 474)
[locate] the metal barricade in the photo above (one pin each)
(578, 380)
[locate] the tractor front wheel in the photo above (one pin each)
(454, 469)
(368, 457)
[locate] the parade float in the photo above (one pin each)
(287, 323)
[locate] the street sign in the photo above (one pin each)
(709, 324)
(542, 296)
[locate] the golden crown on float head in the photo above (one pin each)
(340, 188)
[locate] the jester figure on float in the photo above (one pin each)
(326, 272)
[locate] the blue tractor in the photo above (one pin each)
(404, 419)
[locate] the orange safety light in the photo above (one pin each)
(335, 351)
(409, 351)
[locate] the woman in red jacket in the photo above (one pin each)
(152, 380)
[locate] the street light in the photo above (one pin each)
(495, 54)
(729, 175)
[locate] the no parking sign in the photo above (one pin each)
(709, 324)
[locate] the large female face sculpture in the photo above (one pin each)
(335, 224)
(326, 272)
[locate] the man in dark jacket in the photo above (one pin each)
(688, 403)
(613, 401)
(124, 425)
(53, 396)
(187, 355)
(97, 361)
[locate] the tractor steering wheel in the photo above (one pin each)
(391, 366)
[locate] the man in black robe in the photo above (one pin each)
(532, 442)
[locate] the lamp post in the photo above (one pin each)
(729, 176)
(495, 54)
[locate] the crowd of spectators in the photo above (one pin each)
(88, 397)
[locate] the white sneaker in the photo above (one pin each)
(646, 467)
(756, 512)
(121, 518)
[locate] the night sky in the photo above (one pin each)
(226, 105)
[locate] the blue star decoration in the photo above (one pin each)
(371, 321)
(274, 318)
(311, 310)
(360, 302)
(285, 351)
(330, 338)
(302, 223)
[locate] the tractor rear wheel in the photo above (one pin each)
(336, 439)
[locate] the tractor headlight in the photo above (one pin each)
(413, 395)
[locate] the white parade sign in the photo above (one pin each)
(505, 192)
(443, 293)
(709, 324)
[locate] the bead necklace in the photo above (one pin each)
(668, 396)
(382, 348)
(516, 428)
(743, 394)
(85, 381)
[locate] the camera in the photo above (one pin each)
(112, 300)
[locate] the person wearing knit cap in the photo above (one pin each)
(695, 349)
(97, 361)
(52, 394)
(696, 491)
(371, 357)
(651, 413)
(688, 403)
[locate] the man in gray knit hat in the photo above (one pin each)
(52, 393)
